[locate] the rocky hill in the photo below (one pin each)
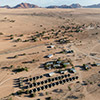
(93, 6)
(26, 5)
(66, 6)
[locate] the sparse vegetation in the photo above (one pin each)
(1, 33)
(20, 69)
(69, 88)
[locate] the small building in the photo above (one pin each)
(51, 74)
(97, 64)
(56, 65)
(49, 63)
(59, 62)
(67, 63)
(51, 46)
(72, 70)
(86, 67)
(63, 72)
(48, 68)
(70, 51)
(50, 56)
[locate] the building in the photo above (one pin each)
(51, 46)
(49, 63)
(48, 68)
(72, 70)
(56, 65)
(67, 63)
(87, 67)
(70, 51)
(63, 72)
(97, 64)
(59, 62)
(51, 74)
(50, 56)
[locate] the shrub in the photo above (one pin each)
(10, 99)
(1, 33)
(25, 40)
(19, 92)
(69, 88)
(11, 66)
(11, 38)
(20, 69)
(21, 35)
(27, 91)
(32, 95)
(15, 56)
(12, 21)
(46, 93)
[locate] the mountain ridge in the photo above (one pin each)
(28, 5)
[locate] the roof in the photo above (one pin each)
(98, 64)
(67, 63)
(87, 66)
(51, 55)
(49, 68)
(51, 74)
(49, 63)
(73, 70)
(58, 62)
(51, 46)
(62, 72)
(56, 65)
(70, 51)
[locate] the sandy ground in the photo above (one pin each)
(27, 22)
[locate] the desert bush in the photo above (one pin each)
(69, 88)
(12, 21)
(32, 95)
(20, 69)
(1, 33)
(19, 92)
(46, 93)
(21, 35)
(11, 38)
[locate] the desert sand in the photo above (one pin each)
(24, 23)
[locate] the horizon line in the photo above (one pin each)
(48, 5)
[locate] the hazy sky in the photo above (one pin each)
(48, 2)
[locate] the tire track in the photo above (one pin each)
(26, 48)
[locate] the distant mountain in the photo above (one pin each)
(93, 6)
(6, 6)
(62, 6)
(76, 6)
(26, 5)
(66, 6)
(52, 7)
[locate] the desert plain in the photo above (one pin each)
(25, 35)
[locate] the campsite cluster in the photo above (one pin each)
(30, 86)
(54, 58)
(65, 71)
(61, 35)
